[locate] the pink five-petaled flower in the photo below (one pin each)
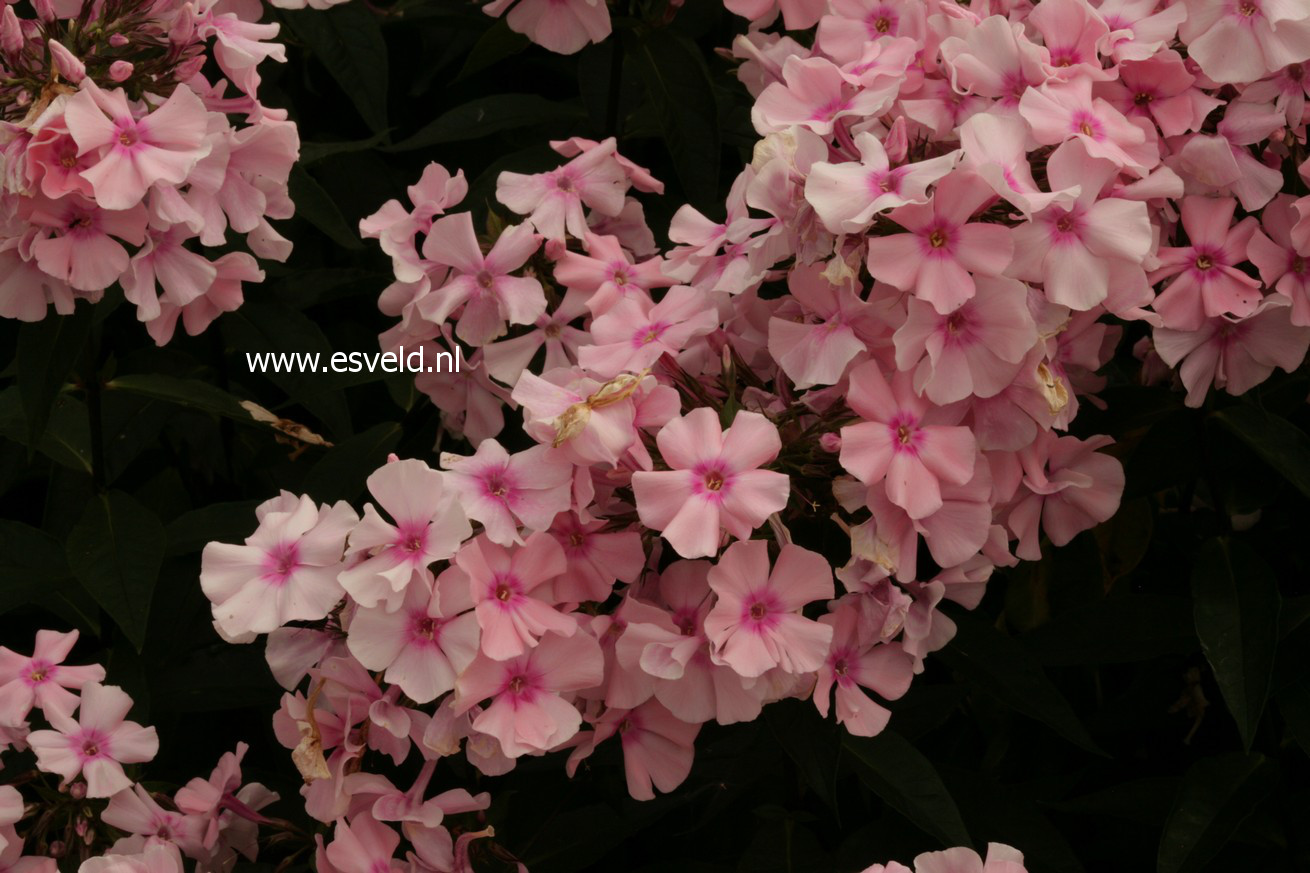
(605, 275)
(562, 26)
(135, 153)
(714, 483)
(658, 747)
(97, 744)
(815, 93)
(635, 332)
(482, 283)
(904, 441)
(553, 201)
(847, 196)
(1068, 488)
(756, 624)
(1283, 266)
(154, 857)
(595, 559)
(527, 713)
(852, 663)
(1000, 859)
(1207, 282)
(501, 490)
(42, 680)
(286, 571)
(504, 583)
(424, 643)
(1060, 111)
(365, 845)
(429, 526)
(1245, 40)
(936, 258)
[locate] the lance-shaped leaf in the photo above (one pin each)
(900, 774)
(1216, 796)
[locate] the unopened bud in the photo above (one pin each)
(57, 849)
(183, 30)
(830, 442)
(45, 10)
(77, 790)
(11, 32)
(120, 71)
(66, 63)
(118, 40)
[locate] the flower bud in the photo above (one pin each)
(120, 71)
(66, 63)
(45, 10)
(118, 40)
(77, 790)
(11, 32)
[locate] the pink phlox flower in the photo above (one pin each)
(364, 845)
(395, 227)
(562, 26)
(553, 201)
(165, 262)
(595, 558)
(502, 491)
(815, 93)
(97, 743)
(936, 260)
(77, 241)
(1206, 281)
(658, 747)
(527, 713)
(135, 153)
(904, 443)
(629, 227)
(136, 812)
(428, 525)
(1068, 487)
(1287, 90)
(472, 406)
(51, 160)
(153, 857)
(975, 350)
(1223, 163)
(635, 332)
(639, 177)
(847, 196)
(513, 602)
(1073, 33)
(605, 274)
(239, 46)
(853, 24)
(796, 14)
(1283, 265)
(422, 645)
(507, 359)
(994, 59)
(851, 665)
(756, 624)
(1160, 88)
(286, 570)
(995, 147)
(844, 326)
(1235, 354)
(1059, 111)
(42, 680)
(482, 284)
(714, 483)
(224, 294)
(1139, 29)
(1245, 41)
(1079, 250)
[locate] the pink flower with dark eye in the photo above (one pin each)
(135, 153)
(635, 332)
(42, 680)
(1207, 282)
(903, 442)
(553, 201)
(1068, 488)
(1057, 112)
(97, 744)
(482, 284)
(715, 483)
(1283, 265)
(78, 242)
(605, 274)
(527, 712)
(936, 259)
(428, 525)
(501, 490)
(756, 624)
(595, 558)
(364, 845)
(1245, 40)
(424, 643)
(853, 664)
(506, 586)
(815, 93)
(286, 570)
(658, 747)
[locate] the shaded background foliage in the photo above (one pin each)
(1136, 701)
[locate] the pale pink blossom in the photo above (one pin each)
(97, 743)
(635, 332)
(553, 201)
(42, 680)
(502, 491)
(513, 608)
(847, 196)
(1282, 264)
(1206, 279)
(563, 26)
(1245, 40)
(1068, 487)
(657, 747)
(852, 664)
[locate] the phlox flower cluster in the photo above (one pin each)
(60, 720)
(122, 162)
(952, 216)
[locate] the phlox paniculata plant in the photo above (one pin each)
(951, 217)
(125, 164)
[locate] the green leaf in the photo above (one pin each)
(1007, 669)
(342, 472)
(115, 551)
(348, 40)
(899, 774)
(1279, 443)
(486, 116)
(219, 522)
(813, 743)
(47, 352)
(315, 205)
(1216, 796)
(317, 151)
(1294, 704)
(31, 564)
(496, 43)
(1235, 605)
(67, 437)
(678, 84)
(1120, 629)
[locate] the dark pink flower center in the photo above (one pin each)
(281, 561)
